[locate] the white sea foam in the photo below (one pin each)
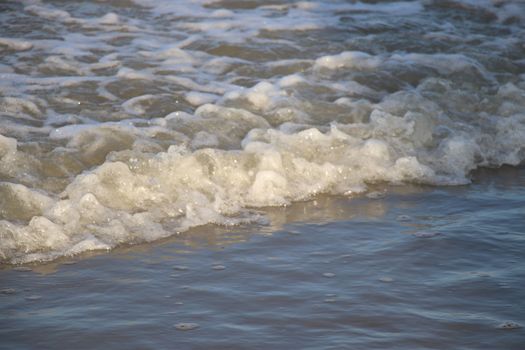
(17, 45)
(51, 14)
(199, 98)
(109, 18)
(349, 59)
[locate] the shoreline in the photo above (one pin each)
(321, 208)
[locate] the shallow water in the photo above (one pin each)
(262, 174)
(332, 273)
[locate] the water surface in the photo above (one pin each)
(127, 122)
(262, 174)
(330, 274)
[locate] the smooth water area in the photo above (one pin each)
(422, 268)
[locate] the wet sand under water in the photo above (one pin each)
(420, 268)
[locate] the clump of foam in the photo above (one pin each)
(19, 107)
(121, 202)
(349, 59)
(200, 98)
(7, 146)
(51, 14)
(16, 165)
(261, 96)
(229, 125)
(109, 18)
(20, 202)
(222, 13)
(291, 80)
(16, 45)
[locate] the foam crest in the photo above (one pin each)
(349, 59)
(445, 64)
(17, 45)
(136, 200)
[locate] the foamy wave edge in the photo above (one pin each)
(136, 196)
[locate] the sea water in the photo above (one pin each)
(355, 136)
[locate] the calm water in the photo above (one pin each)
(262, 174)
